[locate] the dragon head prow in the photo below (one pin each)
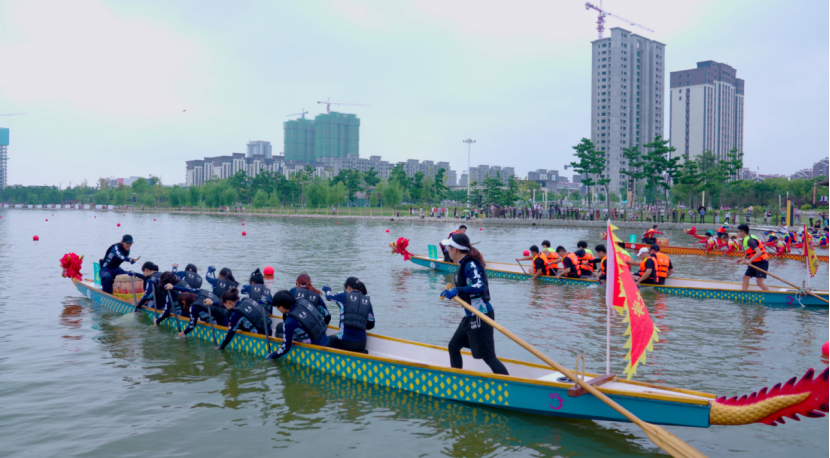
(807, 397)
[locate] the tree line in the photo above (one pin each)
(659, 177)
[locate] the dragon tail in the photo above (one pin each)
(807, 397)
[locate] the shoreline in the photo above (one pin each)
(566, 223)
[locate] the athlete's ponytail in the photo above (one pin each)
(231, 295)
(226, 273)
(474, 253)
(304, 281)
(357, 285)
(185, 300)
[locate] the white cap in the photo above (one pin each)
(643, 250)
(451, 242)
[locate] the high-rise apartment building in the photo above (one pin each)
(328, 135)
(4, 157)
(627, 81)
(707, 110)
(259, 148)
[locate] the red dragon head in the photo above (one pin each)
(71, 265)
(399, 247)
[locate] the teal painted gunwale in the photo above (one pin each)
(540, 398)
(749, 297)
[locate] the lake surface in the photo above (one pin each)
(77, 380)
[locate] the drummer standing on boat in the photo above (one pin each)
(111, 264)
(756, 255)
(472, 287)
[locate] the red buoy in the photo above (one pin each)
(481, 228)
(119, 224)
(268, 270)
(154, 219)
(244, 233)
(526, 253)
(338, 224)
(387, 230)
(35, 238)
(825, 349)
(47, 219)
(243, 224)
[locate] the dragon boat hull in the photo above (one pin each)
(703, 252)
(677, 287)
(422, 369)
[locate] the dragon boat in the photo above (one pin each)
(532, 388)
(704, 252)
(679, 287)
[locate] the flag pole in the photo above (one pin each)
(609, 292)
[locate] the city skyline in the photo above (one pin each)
(172, 87)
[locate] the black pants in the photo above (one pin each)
(476, 335)
(649, 240)
(335, 342)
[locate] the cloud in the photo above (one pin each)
(84, 55)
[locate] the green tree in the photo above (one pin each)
(439, 186)
(510, 194)
(260, 199)
(591, 167)
(338, 194)
(119, 197)
(398, 175)
(274, 200)
(229, 197)
(659, 169)
(194, 195)
(417, 189)
(392, 194)
(634, 172)
(317, 192)
(148, 200)
(102, 197)
(371, 177)
(139, 186)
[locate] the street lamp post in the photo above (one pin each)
(469, 142)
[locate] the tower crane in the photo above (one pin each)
(298, 114)
(329, 103)
(601, 18)
(13, 114)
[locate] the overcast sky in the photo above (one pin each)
(104, 83)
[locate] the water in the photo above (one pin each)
(77, 380)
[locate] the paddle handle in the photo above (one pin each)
(135, 301)
(785, 281)
(522, 267)
(173, 311)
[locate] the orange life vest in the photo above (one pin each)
(551, 260)
(750, 253)
(643, 267)
(533, 263)
(722, 230)
(662, 264)
(575, 261)
(585, 264)
(602, 265)
(649, 234)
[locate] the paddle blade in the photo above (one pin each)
(670, 443)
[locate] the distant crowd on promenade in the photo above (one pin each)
(656, 214)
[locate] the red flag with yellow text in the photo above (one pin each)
(623, 295)
(810, 253)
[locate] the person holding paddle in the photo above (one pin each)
(150, 274)
(756, 256)
(472, 287)
(205, 307)
(539, 262)
(303, 321)
(246, 314)
(169, 282)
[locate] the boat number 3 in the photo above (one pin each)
(555, 397)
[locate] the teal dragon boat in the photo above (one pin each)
(678, 287)
(424, 369)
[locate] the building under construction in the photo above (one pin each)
(329, 135)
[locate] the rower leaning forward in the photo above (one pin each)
(116, 254)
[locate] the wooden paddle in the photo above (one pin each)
(660, 436)
(210, 314)
(135, 301)
(265, 329)
(785, 281)
(522, 267)
(173, 311)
